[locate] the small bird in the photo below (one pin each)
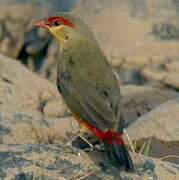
(88, 85)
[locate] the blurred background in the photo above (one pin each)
(139, 37)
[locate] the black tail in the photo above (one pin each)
(119, 157)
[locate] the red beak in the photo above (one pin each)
(43, 23)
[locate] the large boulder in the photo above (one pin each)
(165, 73)
(31, 108)
(160, 130)
(138, 100)
(22, 89)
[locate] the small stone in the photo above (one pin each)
(46, 96)
(55, 109)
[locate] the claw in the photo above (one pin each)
(75, 136)
(69, 143)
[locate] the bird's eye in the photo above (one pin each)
(56, 23)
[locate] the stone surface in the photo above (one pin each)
(30, 106)
(165, 74)
(138, 100)
(21, 89)
(161, 123)
(29, 126)
(159, 128)
(51, 162)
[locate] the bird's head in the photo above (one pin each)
(63, 26)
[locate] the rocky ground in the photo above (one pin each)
(140, 42)
(35, 124)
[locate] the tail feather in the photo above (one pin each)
(119, 157)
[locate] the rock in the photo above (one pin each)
(55, 109)
(160, 128)
(22, 89)
(138, 100)
(30, 106)
(50, 162)
(154, 74)
(13, 27)
(164, 74)
(164, 118)
(172, 80)
(30, 126)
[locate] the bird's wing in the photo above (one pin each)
(87, 102)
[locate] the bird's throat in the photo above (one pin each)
(61, 36)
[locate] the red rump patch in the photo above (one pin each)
(108, 136)
(62, 20)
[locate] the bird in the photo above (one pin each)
(88, 84)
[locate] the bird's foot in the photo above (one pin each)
(69, 142)
(79, 135)
(86, 141)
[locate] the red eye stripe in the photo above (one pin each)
(63, 21)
